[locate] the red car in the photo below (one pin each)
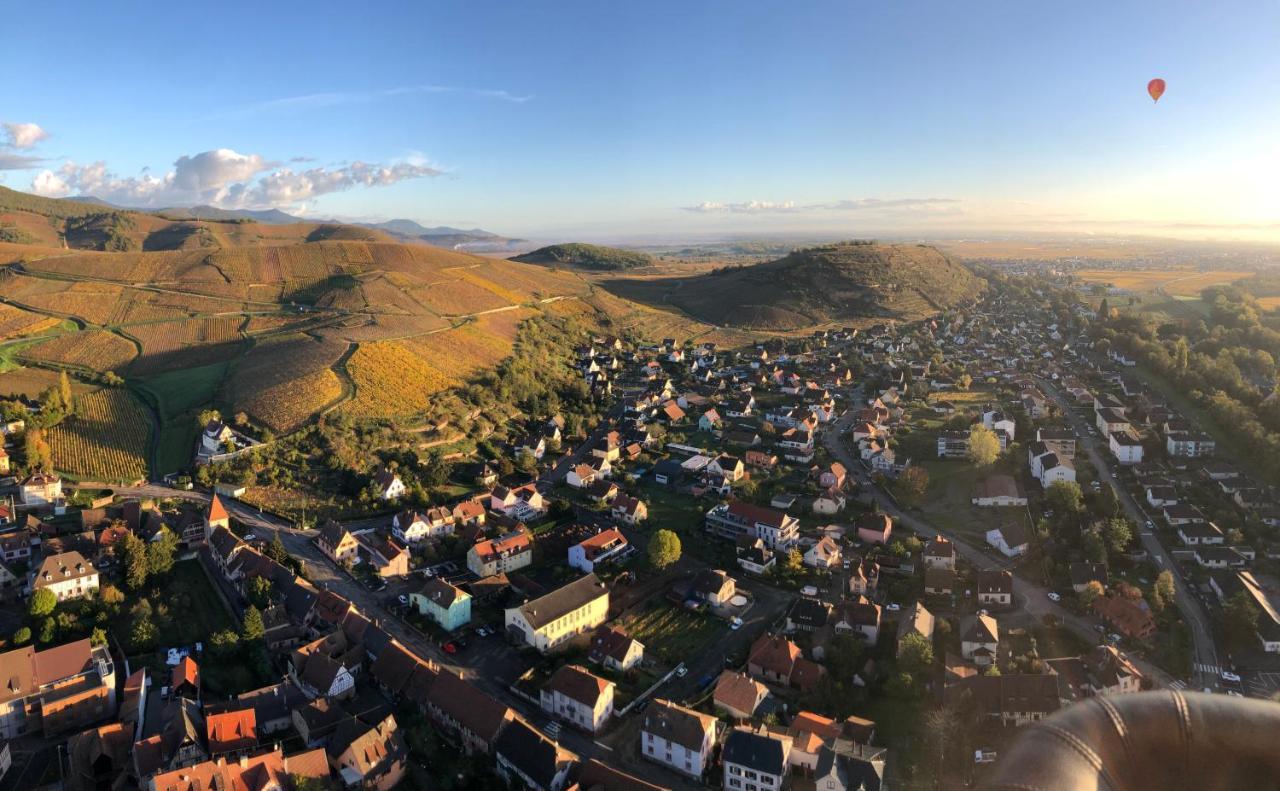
(450, 648)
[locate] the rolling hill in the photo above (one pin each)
(283, 322)
(849, 283)
(585, 256)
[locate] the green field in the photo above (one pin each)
(948, 500)
(672, 633)
(178, 397)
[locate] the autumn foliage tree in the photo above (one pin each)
(984, 446)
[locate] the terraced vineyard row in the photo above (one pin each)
(106, 440)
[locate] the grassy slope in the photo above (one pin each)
(586, 256)
(822, 285)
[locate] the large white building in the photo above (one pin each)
(1126, 447)
(549, 621)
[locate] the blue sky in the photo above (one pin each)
(609, 120)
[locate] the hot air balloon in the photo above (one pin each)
(1156, 89)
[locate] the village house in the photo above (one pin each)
(462, 709)
(369, 755)
(338, 544)
(600, 548)
(40, 488)
(1082, 573)
(994, 588)
(576, 696)
(1131, 618)
(448, 606)
(859, 616)
(823, 555)
(548, 622)
(501, 555)
(775, 658)
(753, 556)
(526, 758)
(1010, 539)
(776, 529)
(980, 640)
(388, 484)
(754, 760)
(55, 690)
(615, 650)
(713, 586)
(524, 503)
(1012, 699)
(939, 553)
(738, 695)
(385, 557)
(1104, 670)
(915, 620)
(67, 575)
(807, 614)
(411, 527)
(628, 510)
(677, 737)
(874, 528)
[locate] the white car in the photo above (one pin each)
(893, 606)
(1054, 596)
(1227, 675)
(403, 599)
(1150, 524)
(250, 537)
(735, 623)
(681, 670)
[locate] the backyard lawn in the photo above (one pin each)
(672, 633)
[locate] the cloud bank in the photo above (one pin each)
(224, 178)
(791, 207)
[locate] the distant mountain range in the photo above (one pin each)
(473, 240)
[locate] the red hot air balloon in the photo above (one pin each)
(1156, 89)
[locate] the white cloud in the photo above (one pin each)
(50, 185)
(24, 135)
(224, 178)
(211, 170)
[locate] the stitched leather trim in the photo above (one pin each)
(1083, 750)
(1117, 722)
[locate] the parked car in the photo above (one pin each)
(1053, 596)
(450, 648)
(1227, 675)
(681, 670)
(250, 537)
(893, 606)
(735, 623)
(402, 599)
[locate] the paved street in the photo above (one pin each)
(1205, 670)
(487, 662)
(1028, 596)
